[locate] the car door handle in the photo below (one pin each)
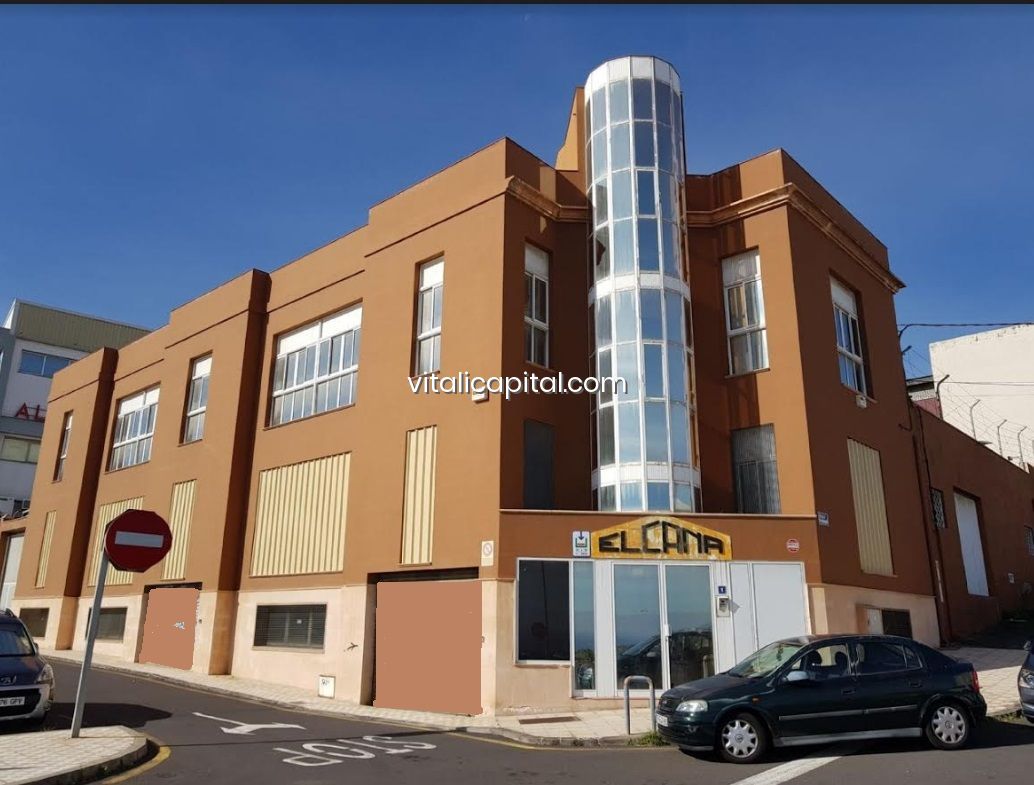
(916, 683)
(847, 691)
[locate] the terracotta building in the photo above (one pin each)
(756, 478)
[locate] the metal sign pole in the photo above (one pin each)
(91, 636)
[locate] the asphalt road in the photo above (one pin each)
(226, 740)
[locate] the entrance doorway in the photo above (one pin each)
(169, 626)
(662, 624)
(10, 558)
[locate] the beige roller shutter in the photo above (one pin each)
(870, 509)
(181, 513)
(418, 506)
(300, 523)
(44, 551)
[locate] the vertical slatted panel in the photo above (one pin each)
(870, 509)
(181, 513)
(418, 506)
(300, 523)
(44, 552)
(106, 513)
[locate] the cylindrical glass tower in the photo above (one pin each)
(645, 436)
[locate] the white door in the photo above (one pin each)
(12, 557)
(972, 547)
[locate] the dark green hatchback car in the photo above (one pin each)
(823, 688)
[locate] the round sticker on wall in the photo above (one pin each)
(793, 545)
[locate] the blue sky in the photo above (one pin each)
(147, 155)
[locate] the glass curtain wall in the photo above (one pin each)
(646, 456)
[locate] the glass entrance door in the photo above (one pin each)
(637, 623)
(689, 630)
(662, 623)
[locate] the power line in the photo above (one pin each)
(906, 325)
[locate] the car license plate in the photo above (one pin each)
(662, 720)
(19, 701)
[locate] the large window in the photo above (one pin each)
(536, 305)
(39, 364)
(754, 467)
(745, 313)
(429, 318)
(543, 611)
(538, 465)
(850, 353)
(20, 450)
(291, 626)
(317, 367)
(197, 399)
(134, 430)
(62, 452)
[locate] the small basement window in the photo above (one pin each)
(35, 620)
(111, 626)
(290, 626)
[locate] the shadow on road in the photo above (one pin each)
(132, 715)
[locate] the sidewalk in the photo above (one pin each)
(998, 670)
(54, 758)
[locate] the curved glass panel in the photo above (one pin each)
(634, 150)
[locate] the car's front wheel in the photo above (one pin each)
(948, 727)
(742, 739)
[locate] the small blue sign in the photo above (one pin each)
(722, 591)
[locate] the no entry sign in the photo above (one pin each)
(137, 540)
(134, 542)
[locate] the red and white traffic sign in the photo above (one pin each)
(137, 540)
(793, 545)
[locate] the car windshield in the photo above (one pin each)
(767, 659)
(14, 643)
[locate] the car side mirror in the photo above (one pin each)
(1028, 646)
(797, 677)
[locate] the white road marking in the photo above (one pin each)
(348, 748)
(797, 768)
(244, 728)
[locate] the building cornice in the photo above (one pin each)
(790, 195)
(538, 201)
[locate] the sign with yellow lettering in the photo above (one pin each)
(660, 537)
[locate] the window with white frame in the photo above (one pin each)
(19, 450)
(745, 313)
(317, 367)
(134, 430)
(536, 305)
(849, 338)
(62, 453)
(197, 399)
(429, 317)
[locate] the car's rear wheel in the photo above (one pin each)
(742, 739)
(948, 726)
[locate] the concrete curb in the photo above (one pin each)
(473, 730)
(556, 741)
(144, 749)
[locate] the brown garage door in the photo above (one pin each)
(169, 627)
(429, 646)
